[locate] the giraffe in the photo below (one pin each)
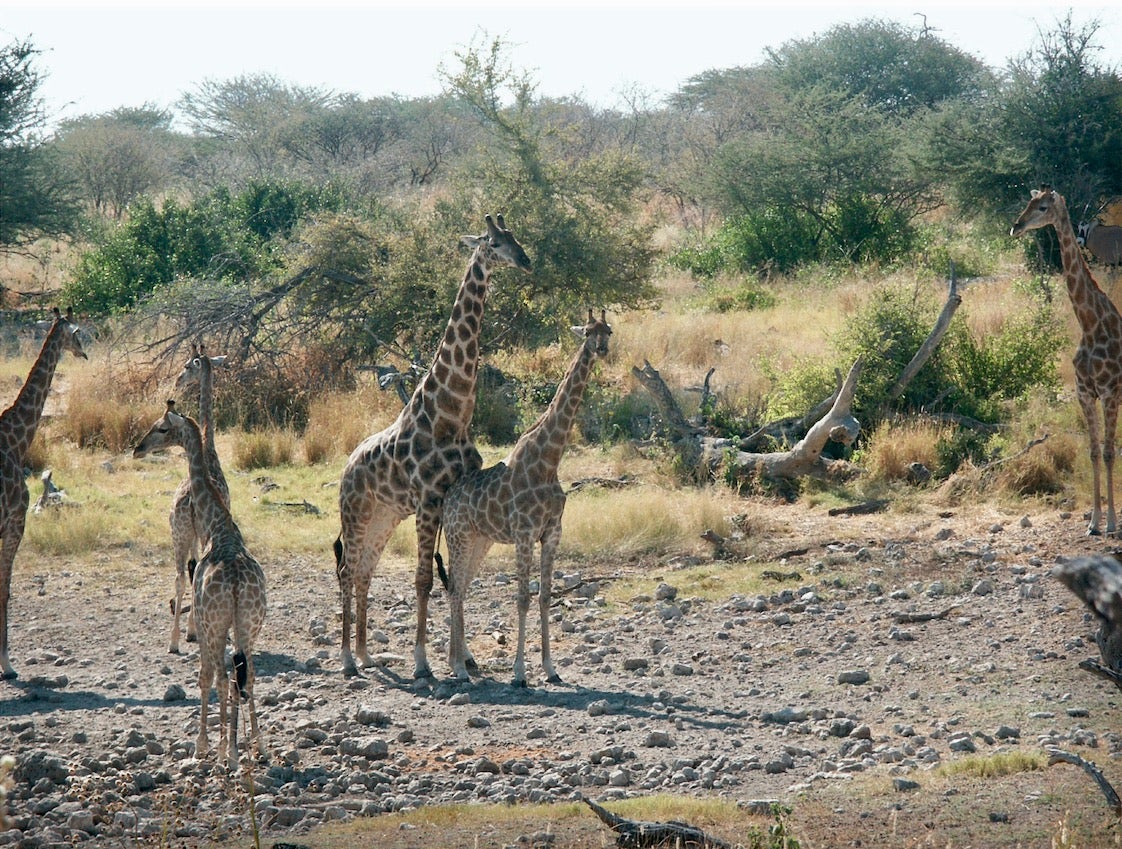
(229, 592)
(18, 424)
(518, 500)
(406, 468)
(1098, 359)
(188, 533)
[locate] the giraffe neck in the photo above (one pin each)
(206, 421)
(447, 392)
(544, 442)
(19, 422)
(205, 495)
(1084, 292)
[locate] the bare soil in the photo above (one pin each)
(733, 696)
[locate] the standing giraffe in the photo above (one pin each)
(1098, 359)
(406, 468)
(18, 424)
(229, 592)
(188, 532)
(518, 500)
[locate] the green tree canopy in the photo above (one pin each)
(36, 198)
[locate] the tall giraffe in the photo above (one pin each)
(188, 533)
(1098, 359)
(229, 592)
(406, 468)
(519, 500)
(18, 425)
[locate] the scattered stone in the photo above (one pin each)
(853, 676)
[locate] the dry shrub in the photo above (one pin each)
(263, 449)
(894, 446)
(1042, 469)
(338, 421)
(105, 406)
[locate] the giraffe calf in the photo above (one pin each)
(228, 598)
(519, 501)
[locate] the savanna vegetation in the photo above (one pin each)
(774, 221)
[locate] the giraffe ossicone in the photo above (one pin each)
(519, 501)
(1098, 359)
(18, 425)
(406, 468)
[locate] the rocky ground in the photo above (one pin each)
(801, 691)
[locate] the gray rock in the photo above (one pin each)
(853, 676)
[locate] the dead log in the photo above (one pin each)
(683, 436)
(1060, 756)
(655, 835)
(805, 457)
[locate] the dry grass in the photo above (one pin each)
(894, 446)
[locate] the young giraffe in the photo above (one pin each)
(518, 500)
(18, 424)
(188, 533)
(1098, 359)
(229, 592)
(407, 467)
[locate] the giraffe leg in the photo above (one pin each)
(183, 548)
(206, 676)
(550, 540)
(1091, 414)
(1110, 427)
(428, 521)
(358, 550)
(524, 557)
(13, 535)
(230, 723)
(464, 559)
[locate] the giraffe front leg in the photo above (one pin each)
(550, 541)
(202, 744)
(1110, 427)
(1091, 414)
(524, 556)
(13, 534)
(428, 521)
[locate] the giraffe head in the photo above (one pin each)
(595, 333)
(191, 375)
(1046, 207)
(498, 246)
(167, 431)
(69, 331)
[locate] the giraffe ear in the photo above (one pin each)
(218, 361)
(578, 331)
(472, 241)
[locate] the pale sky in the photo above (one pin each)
(100, 56)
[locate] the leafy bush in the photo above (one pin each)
(216, 237)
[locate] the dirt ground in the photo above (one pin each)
(809, 691)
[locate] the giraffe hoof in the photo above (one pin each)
(9, 675)
(554, 679)
(1094, 532)
(471, 664)
(192, 638)
(174, 650)
(522, 685)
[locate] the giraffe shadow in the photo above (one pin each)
(35, 697)
(486, 690)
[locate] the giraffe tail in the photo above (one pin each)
(241, 673)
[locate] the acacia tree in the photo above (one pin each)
(574, 214)
(118, 156)
(36, 199)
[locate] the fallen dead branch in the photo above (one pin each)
(874, 506)
(906, 618)
(1060, 756)
(655, 835)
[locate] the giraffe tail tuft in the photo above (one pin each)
(337, 547)
(445, 578)
(241, 672)
(192, 565)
